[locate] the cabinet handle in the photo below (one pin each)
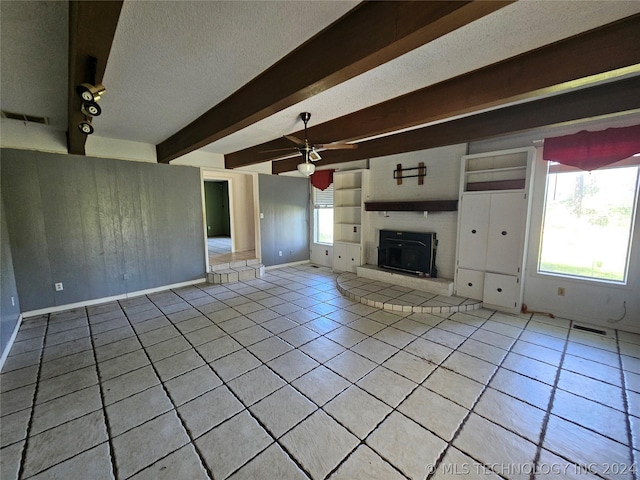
(499, 290)
(473, 231)
(504, 232)
(470, 284)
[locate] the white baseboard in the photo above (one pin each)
(7, 348)
(124, 296)
(292, 264)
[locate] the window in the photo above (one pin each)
(323, 215)
(588, 221)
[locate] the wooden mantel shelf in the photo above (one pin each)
(413, 206)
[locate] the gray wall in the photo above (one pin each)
(102, 227)
(284, 201)
(9, 311)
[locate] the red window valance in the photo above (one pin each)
(592, 150)
(321, 179)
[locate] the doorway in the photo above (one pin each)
(217, 215)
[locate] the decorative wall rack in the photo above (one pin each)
(399, 173)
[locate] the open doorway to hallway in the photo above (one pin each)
(220, 202)
(216, 198)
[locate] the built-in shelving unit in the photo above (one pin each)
(493, 225)
(349, 192)
(502, 171)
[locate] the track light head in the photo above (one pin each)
(86, 127)
(91, 109)
(90, 93)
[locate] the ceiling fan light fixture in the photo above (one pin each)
(306, 168)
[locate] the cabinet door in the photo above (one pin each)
(470, 283)
(501, 290)
(507, 225)
(346, 257)
(474, 226)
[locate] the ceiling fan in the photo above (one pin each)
(309, 151)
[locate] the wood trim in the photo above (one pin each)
(413, 206)
(555, 68)
(368, 36)
(516, 184)
(92, 26)
(607, 99)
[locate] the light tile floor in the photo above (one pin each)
(283, 378)
(219, 251)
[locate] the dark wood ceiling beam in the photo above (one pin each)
(557, 67)
(611, 98)
(92, 26)
(368, 36)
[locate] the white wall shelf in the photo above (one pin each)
(349, 190)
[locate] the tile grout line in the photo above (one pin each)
(547, 415)
(23, 456)
(625, 401)
(455, 435)
(107, 423)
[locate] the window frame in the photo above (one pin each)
(322, 204)
(624, 283)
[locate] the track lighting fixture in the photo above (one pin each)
(90, 95)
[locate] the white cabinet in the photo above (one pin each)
(493, 226)
(470, 283)
(346, 256)
(350, 190)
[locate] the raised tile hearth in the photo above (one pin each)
(400, 298)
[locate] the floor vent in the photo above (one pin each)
(589, 329)
(25, 118)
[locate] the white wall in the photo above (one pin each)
(32, 136)
(441, 183)
(584, 301)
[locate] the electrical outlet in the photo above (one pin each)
(279, 253)
(13, 301)
(125, 276)
(59, 287)
(561, 291)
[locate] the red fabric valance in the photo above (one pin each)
(592, 150)
(321, 179)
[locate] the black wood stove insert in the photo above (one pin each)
(411, 252)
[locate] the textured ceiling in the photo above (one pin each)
(171, 61)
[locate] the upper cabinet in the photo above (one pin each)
(493, 227)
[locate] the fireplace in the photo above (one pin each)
(411, 252)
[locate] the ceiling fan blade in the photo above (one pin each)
(295, 140)
(279, 150)
(337, 146)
